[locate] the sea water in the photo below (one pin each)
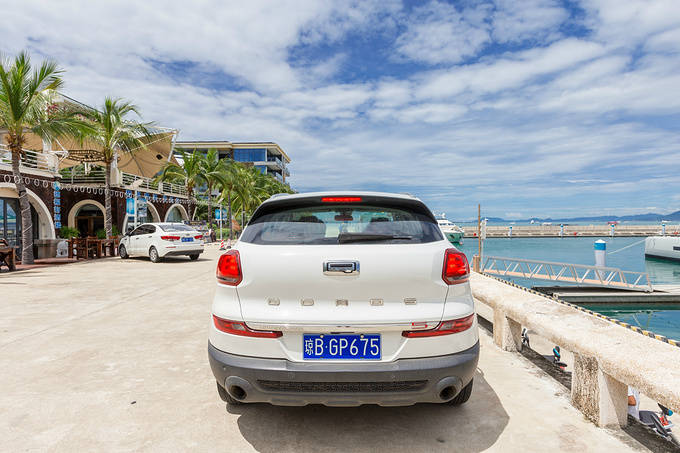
(663, 319)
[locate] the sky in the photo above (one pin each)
(531, 108)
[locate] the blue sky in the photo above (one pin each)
(531, 108)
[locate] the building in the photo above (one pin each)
(268, 157)
(65, 185)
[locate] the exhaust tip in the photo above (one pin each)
(447, 393)
(237, 392)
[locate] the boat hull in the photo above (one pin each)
(664, 247)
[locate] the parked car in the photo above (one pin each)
(158, 240)
(343, 299)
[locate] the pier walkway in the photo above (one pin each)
(110, 355)
(553, 231)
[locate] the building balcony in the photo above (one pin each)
(31, 160)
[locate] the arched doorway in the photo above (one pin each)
(87, 216)
(10, 218)
(176, 213)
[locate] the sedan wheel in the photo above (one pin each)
(122, 252)
(153, 254)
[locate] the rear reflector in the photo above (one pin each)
(229, 268)
(240, 328)
(341, 199)
(170, 238)
(444, 328)
(456, 268)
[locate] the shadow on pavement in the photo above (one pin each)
(473, 427)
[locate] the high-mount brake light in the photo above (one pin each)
(456, 268)
(444, 328)
(170, 238)
(240, 328)
(229, 268)
(340, 199)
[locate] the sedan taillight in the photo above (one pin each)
(200, 236)
(456, 268)
(229, 268)
(444, 328)
(170, 238)
(240, 328)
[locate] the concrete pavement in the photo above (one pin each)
(110, 355)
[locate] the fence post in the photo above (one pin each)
(600, 397)
(507, 333)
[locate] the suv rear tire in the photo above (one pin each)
(463, 395)
(225, 396)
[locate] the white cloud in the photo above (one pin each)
(515, 21)
(438, 33)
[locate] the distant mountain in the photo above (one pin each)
(649, 217)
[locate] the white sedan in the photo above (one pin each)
(158, 240)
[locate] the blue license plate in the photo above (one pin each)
(330, 346)
(187, 239)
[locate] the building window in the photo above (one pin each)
(10, 222)
(250, 155)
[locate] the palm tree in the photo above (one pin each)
(213, 173)
(27, 105)
(229, 185)
(114, 133)
(189, 172)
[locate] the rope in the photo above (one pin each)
(626, 247)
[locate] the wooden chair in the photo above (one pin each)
(93, 246)
(77, 248)
(7, 255)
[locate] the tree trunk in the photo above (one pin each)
(107, 202)
(24, 206)
(229, 214)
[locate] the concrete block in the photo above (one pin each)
(507, 333)
(600, 397)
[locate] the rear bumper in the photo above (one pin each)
(399, 383)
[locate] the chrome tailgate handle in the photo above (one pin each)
(341, 267)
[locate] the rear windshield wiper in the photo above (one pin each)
(344, 238)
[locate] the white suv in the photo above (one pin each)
(343, 299)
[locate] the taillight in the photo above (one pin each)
(456, 268)
(341, 199)
(240, 328)
(200, 236)
(444, 328)
(170, 238)
(229, 268)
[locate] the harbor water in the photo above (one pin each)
(663, 319)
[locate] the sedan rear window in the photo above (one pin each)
(175, 227)
(342, 224)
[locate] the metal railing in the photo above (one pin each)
(36, 160)
(78, 175)
(144, 183)
(580, 274)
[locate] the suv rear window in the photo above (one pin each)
(341, 223)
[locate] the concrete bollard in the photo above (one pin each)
(601, 398)
(600, 253)
(507, 333)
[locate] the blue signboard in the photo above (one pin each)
(218, 214)
(57, 224)
(130, 206)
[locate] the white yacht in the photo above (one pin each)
(453, 232)
(667, 247)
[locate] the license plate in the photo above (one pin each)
(330, 346)
(187, 239)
